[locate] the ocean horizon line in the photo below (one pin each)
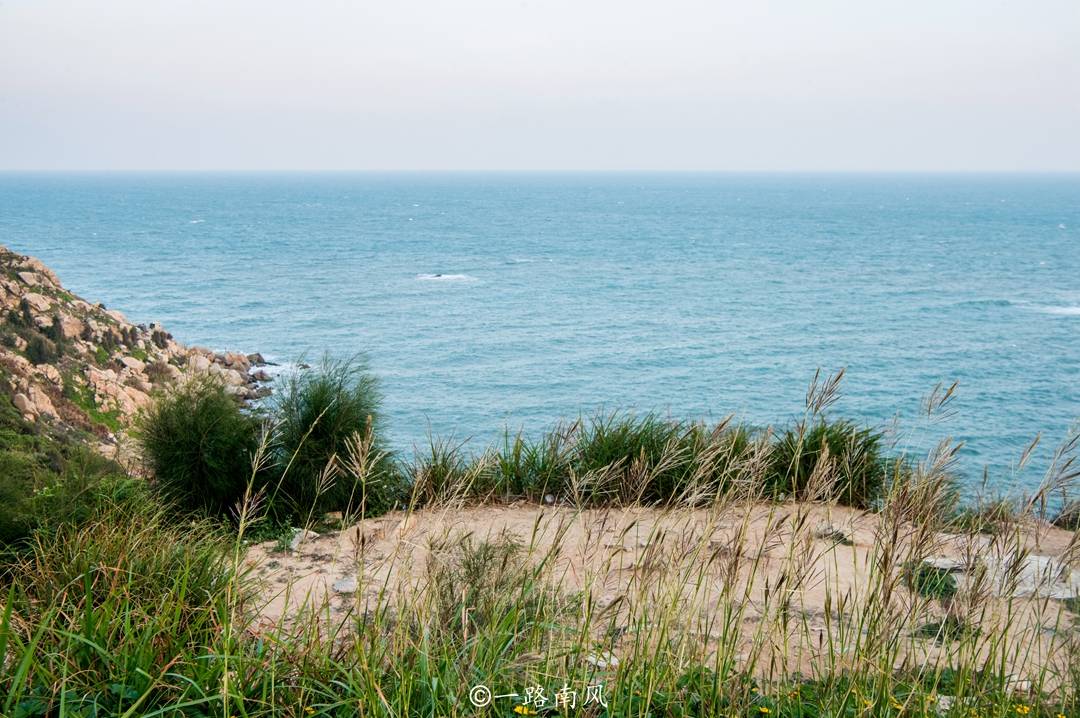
(967, 173)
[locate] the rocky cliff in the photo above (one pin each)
(74, 365)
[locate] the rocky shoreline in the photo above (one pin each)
(76, 365)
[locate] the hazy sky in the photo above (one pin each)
(540, 84)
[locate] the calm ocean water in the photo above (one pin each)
(494, 301)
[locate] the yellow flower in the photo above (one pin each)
(764, 710)
(897, 705)
(309, 710)
(524, 710)
(868, 703)
(1023, 709)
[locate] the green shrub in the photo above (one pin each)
(41, 350)
(18, 481)
(622, 458)
(320, 411)
(200, 445)
(931, 581)
(858, 468)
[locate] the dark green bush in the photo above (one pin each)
(985, 516)
(41, 350)
(931, 581)
(859, 467)
(200, 445)
(320, 411)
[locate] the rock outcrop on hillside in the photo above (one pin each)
(73, 364)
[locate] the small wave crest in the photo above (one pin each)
(446, 277)
(986, 303)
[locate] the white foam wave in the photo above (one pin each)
(197, 221)
(1062, 311)
(446, 277)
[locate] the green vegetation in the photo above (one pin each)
(1069, 516)
(47, 482)
(136, 613)
(985, 517)
(931, 582)
(115, 603)
(101, 619)
(443, 471)
(327, 427)
(200, 446)
(82, 396)
(102, 355)
(819, 459)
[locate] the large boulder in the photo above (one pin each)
(235, 360)
(198, 363)
(133, 364)
(37, 302)
(23, 404)
(71, 327)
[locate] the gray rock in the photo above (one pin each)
(602, 660)
(826, 531)
(944, 563)
(300, 536)
(1032, 577)
(348, 584)
(198, 362)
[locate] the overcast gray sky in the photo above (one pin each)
(540, 84)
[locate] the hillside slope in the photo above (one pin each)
(73, 366)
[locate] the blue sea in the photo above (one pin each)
(488, 302)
